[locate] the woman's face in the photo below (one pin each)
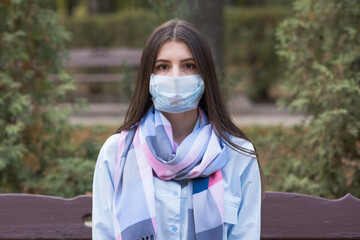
(175, 59)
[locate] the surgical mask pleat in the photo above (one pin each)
(176, 94)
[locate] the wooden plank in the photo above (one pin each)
(299, 216)
(26, 216)
(284, 216)
(104, 57)
(98, 77)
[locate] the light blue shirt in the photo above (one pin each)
(242, 198)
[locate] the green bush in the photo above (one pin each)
(321, 46)
(69, 177)
(72, 172)
(34, 128)
(125, 29)
(250, 53)
(282, 157)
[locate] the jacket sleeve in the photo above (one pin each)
(103, 191)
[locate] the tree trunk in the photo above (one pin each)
(207, 16)
(101, 6)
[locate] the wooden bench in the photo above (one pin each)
(103, 58)
(100, 73)
(284, 216)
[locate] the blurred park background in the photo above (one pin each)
(65, 62)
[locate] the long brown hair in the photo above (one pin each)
(211, 102)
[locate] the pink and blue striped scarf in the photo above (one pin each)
(148, 149)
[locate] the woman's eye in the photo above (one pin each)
(162, 67)
(189, 66)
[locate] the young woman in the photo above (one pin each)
(178, 168)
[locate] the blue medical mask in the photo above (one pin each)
(176, 94)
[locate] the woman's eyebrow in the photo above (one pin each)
(161, 60)
(183, 60)
(187, 59)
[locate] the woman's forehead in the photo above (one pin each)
(172, 49)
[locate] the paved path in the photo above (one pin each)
(242, 111)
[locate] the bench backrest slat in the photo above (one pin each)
(104, 57)
(284, 216)
(25, 216)
(299, 216)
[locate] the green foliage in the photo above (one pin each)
(71, 173)
(321, 47)
(249, 3)
(281, 155)
(170, 9)
(69, 177)
(34, 129)
(129, 29)
(250, 57)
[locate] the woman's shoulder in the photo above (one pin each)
(112, 141)
(239, 160)
(243, 143)
(109, 149)
(117, 141)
